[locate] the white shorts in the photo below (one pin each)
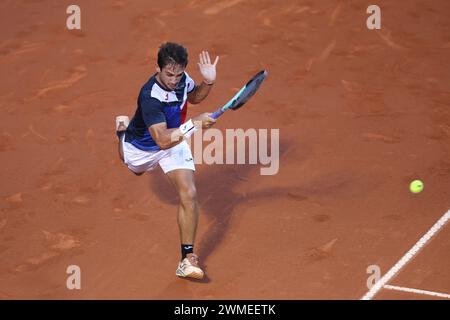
(177, 157)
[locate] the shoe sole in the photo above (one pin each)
(192, 275)
(124, 119)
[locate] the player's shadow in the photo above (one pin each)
(218, 198)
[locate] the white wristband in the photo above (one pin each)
(188, 128)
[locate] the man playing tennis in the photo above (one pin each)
(157, 135)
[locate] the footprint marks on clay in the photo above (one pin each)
(76, 74)
(56, 245)
(321, 252)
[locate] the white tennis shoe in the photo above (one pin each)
(188, 268)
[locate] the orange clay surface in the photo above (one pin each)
(361, 114)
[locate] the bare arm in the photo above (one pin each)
(167, 138)
(199, 93)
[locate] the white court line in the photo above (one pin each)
(429, 293)
(408, 256)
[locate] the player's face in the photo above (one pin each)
(170, 75)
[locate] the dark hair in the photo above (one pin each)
(172, 53)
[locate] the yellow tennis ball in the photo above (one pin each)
(416, 186)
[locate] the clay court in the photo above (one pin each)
(361, 114)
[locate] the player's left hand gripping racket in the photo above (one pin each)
(243, 95)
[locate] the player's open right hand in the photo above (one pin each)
(204, 120)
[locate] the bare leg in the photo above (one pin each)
(183, 180)
(122, 127)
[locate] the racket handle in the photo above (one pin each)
(217, 114)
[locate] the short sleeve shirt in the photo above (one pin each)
(155, 105)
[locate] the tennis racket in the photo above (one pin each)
(243, 95)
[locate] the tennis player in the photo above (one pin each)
(157, 135)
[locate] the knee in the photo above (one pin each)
(188, 195)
